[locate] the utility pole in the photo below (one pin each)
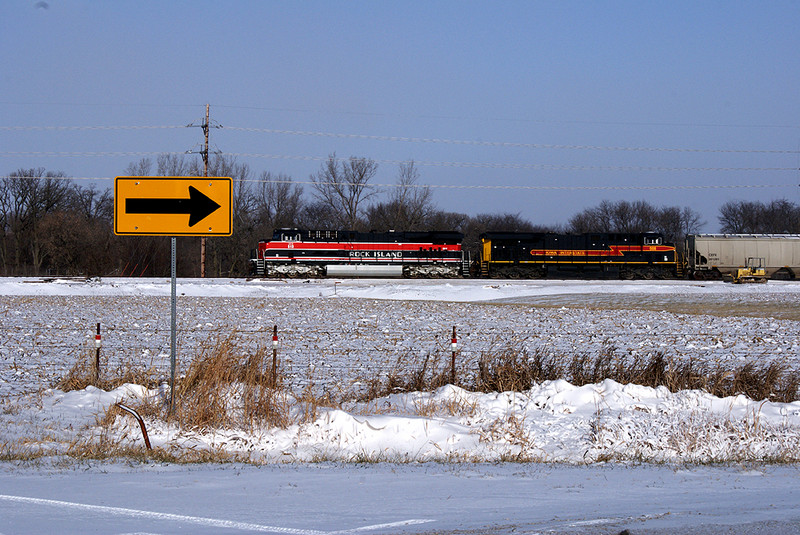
(206, 126)
(205, 174)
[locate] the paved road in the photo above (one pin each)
(329, 499)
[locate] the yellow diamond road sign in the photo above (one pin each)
(172, 206)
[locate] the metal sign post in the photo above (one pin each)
(173, 345)
(173, 206)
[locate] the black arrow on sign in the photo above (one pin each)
(198, 206)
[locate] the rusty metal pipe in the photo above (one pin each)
(141, 423)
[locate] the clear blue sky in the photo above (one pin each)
(512, 79)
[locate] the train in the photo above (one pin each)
(296, 253)
(592, 255)
(718, 255)
(300, 253)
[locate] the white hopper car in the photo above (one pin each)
(710, 256)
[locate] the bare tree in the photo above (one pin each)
(31, 195)
(691, 221)
(7, 216)
(780, 217)
(90, 203)
(741, 217)
(140, 168)
(344, 187)
(88, 220)
(599, 219)
(625, 217)
(416, 200)
(77, 245)
(639, 216)
(733, 217)
(582, 222)
(441, 220)
(166, 165)
(176, 165)
(409, 204)
(387, 216)
(278, 202)
(319, 215)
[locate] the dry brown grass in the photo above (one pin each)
(223, 389)
(83, 374)
(512, 370)
(462, 406)
(424, 377)
(20, 451)
(227, 387)
(515, 370)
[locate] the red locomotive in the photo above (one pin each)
(344, 253)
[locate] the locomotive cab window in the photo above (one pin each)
(652, 241)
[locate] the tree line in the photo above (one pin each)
(51, 225)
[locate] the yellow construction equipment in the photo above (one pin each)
(754, 271)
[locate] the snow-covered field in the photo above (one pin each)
(338, 334)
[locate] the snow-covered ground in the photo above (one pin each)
(338, 334)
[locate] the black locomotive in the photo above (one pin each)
(592, 255)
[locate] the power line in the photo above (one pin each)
(66, 128)
(88, 153)
(421, 140)
(475, 186)
(505, 144)
(537, 167)
(477, 165)
(363, 113)
(539, 187)
(522, 120)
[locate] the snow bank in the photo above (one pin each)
(552, 422)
